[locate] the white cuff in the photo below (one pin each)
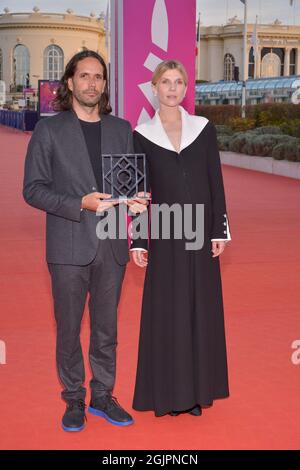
(227, 232)
(139, 249)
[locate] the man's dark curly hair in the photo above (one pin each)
(64, 97)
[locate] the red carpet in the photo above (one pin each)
(261, 273)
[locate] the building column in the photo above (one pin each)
(287, 54)
(198, 62)
(247, 68)
(6, 68)
(258, 62)
(298, 61)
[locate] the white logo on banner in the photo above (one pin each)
(160, 37)
(160, 25)
(2, 352)
(295, 98)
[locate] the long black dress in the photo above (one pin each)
(182, 351)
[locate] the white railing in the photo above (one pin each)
(54, 16)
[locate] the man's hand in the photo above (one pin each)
(218, 248)
(138, 204)
(140, 258)
(96, 202)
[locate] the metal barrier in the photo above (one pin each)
(23, 120)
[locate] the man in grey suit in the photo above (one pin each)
(63, 178)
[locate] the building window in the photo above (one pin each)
(271, 65)
(251, 63)
(272, 53)
(293, 62)
(21, 66)
(229, 63)
(1, 62)
(53, 62)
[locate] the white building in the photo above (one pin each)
(221, 50)
(38, 45)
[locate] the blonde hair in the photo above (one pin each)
(169, 65)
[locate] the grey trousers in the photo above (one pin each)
(102, 280)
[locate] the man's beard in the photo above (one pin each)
(85, 100)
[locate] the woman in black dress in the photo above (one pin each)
(182, 364)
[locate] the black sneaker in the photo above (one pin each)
(74, 417)
(109, 409)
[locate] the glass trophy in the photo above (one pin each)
(124, 176)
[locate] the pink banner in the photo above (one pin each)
(156, 30)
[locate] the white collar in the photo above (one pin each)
(192, 126)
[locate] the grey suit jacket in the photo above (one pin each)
(58, 173)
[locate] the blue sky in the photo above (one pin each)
(212, 11)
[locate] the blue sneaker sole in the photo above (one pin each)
(101, 414)
(65, 428)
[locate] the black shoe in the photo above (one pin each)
(109, 409)
(174, 413)
(196, 411)
(73, 419)
(209, 405)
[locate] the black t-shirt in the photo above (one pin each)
(92, 135)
